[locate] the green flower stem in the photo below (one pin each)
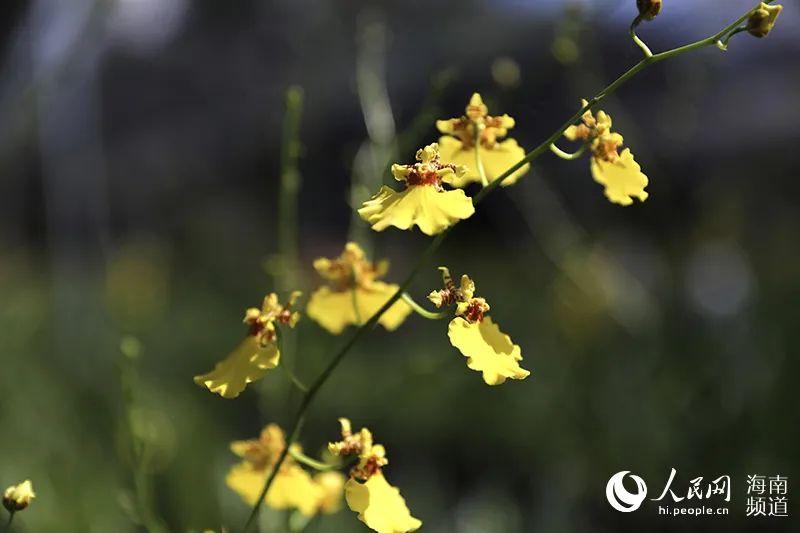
(293, 379)
(10, 519)
(286, 270)
(636, 39)
(300, 457)
(722, 44)
(434, 245)
(566, 155)
(281, 341)
(142, 482)
(478, 160)
(289, 190)
(616, 84)
(417, 308)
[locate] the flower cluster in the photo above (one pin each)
(487, 349)
(353, 293)
(424, 201)
(379, 505)
(257, 353)
(293, 487)
(474, 139)
(472, 148)
(618, 172)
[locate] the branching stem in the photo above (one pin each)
(428, 253)
(300, 457)
(566, 155)
(430, 315)
(640, 43)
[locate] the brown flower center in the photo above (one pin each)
(475, 310)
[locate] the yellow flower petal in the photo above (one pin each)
(433, 211)
(246, 481)
(487, 350)
(379, 505)
(334, 311)
(495, 161)
(292, 488)
(247, 363)
(263, 450)
(623, 179)
(332, 485)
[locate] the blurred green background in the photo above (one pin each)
(140, 194)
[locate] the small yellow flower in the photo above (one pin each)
(257, 353)
(458, 144)
(487, 349)
(762, 19)
(378, 504)
(292, 488)
(353, 294)
(424, 202)
(18, 497)
(618, 172)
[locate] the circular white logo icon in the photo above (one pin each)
(619, 497)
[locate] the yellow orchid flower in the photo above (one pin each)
(353, 293)
(487, 349)
(619, 173)
(457, 145)
(257, 353)
(18, 497)
(292, 488)
(379, 505)
(424, 202)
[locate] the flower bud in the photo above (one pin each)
(648, 9)
(762, 19)
(18, 497)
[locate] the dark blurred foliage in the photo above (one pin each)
(140, 147)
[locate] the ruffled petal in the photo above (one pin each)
(333, 310)
(379, 505)
(433, 211)
(292, 488)
(247, 363)
(487, 349)
(495, 161)
(623, 179)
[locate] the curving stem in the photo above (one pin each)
(566, 155)
(430, 315)
(636, 39)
